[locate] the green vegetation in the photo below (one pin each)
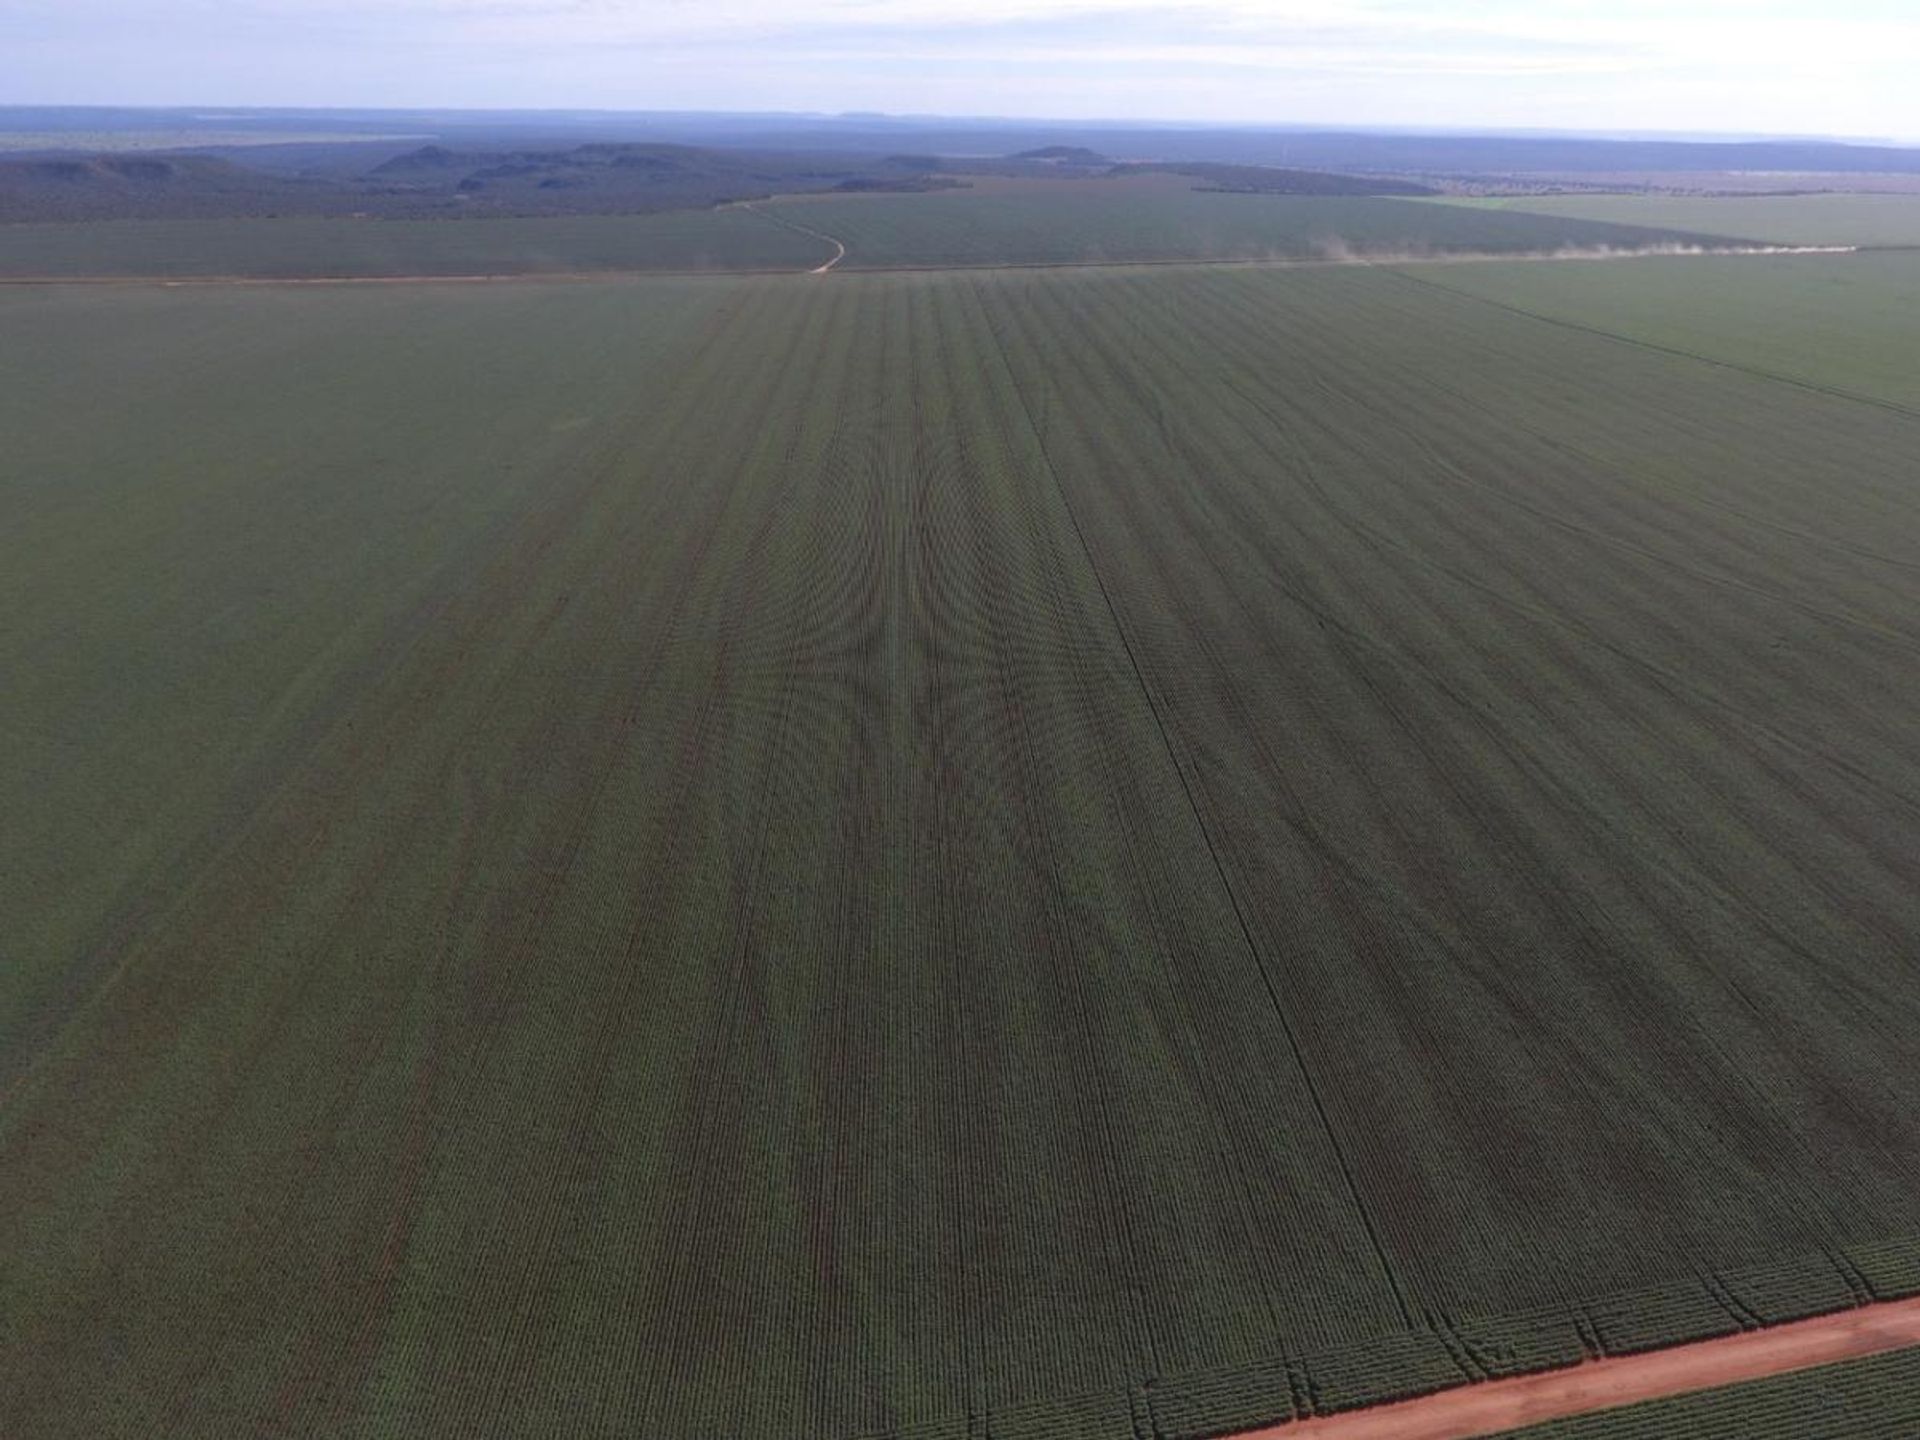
(1142, 218)
(730, 239)
(1835, 321)
(428, 183)
(1159, 218)
(1889, 220)
(1877, 1398)
(1062, 856)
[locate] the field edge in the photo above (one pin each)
(1448, 1353)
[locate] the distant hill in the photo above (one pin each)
(438, 181)
(1271, 180)
(621, 178)
(1063, 155)
(428, 159)
(153, 186)
(436, 162)
(602, 178)
(899, 184)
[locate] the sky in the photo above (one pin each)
(1808, 67)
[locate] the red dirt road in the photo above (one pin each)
(1496, 1405)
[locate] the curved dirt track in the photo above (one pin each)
(1496, 1405)
(838, 245)
(840, 248)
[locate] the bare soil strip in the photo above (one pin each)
(838, 245)
(1496, 1405)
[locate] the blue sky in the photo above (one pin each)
(1787, 66)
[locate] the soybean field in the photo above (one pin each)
(1827, 322)
(1873, 221)
(1095, 855)
(300, 248)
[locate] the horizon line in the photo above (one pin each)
(1465, 130)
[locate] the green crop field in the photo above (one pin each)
(1026, 855)
(1833, 321)
(1837, 219)
(1151, 220)
(730, 239)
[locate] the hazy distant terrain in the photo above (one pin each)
(438, 164)
(427, 182)
(118, 141)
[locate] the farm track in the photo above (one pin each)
(929, 857)
(1528, 1400)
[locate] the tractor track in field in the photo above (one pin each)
(1759, 372)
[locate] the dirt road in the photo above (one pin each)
(1496, 1405)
